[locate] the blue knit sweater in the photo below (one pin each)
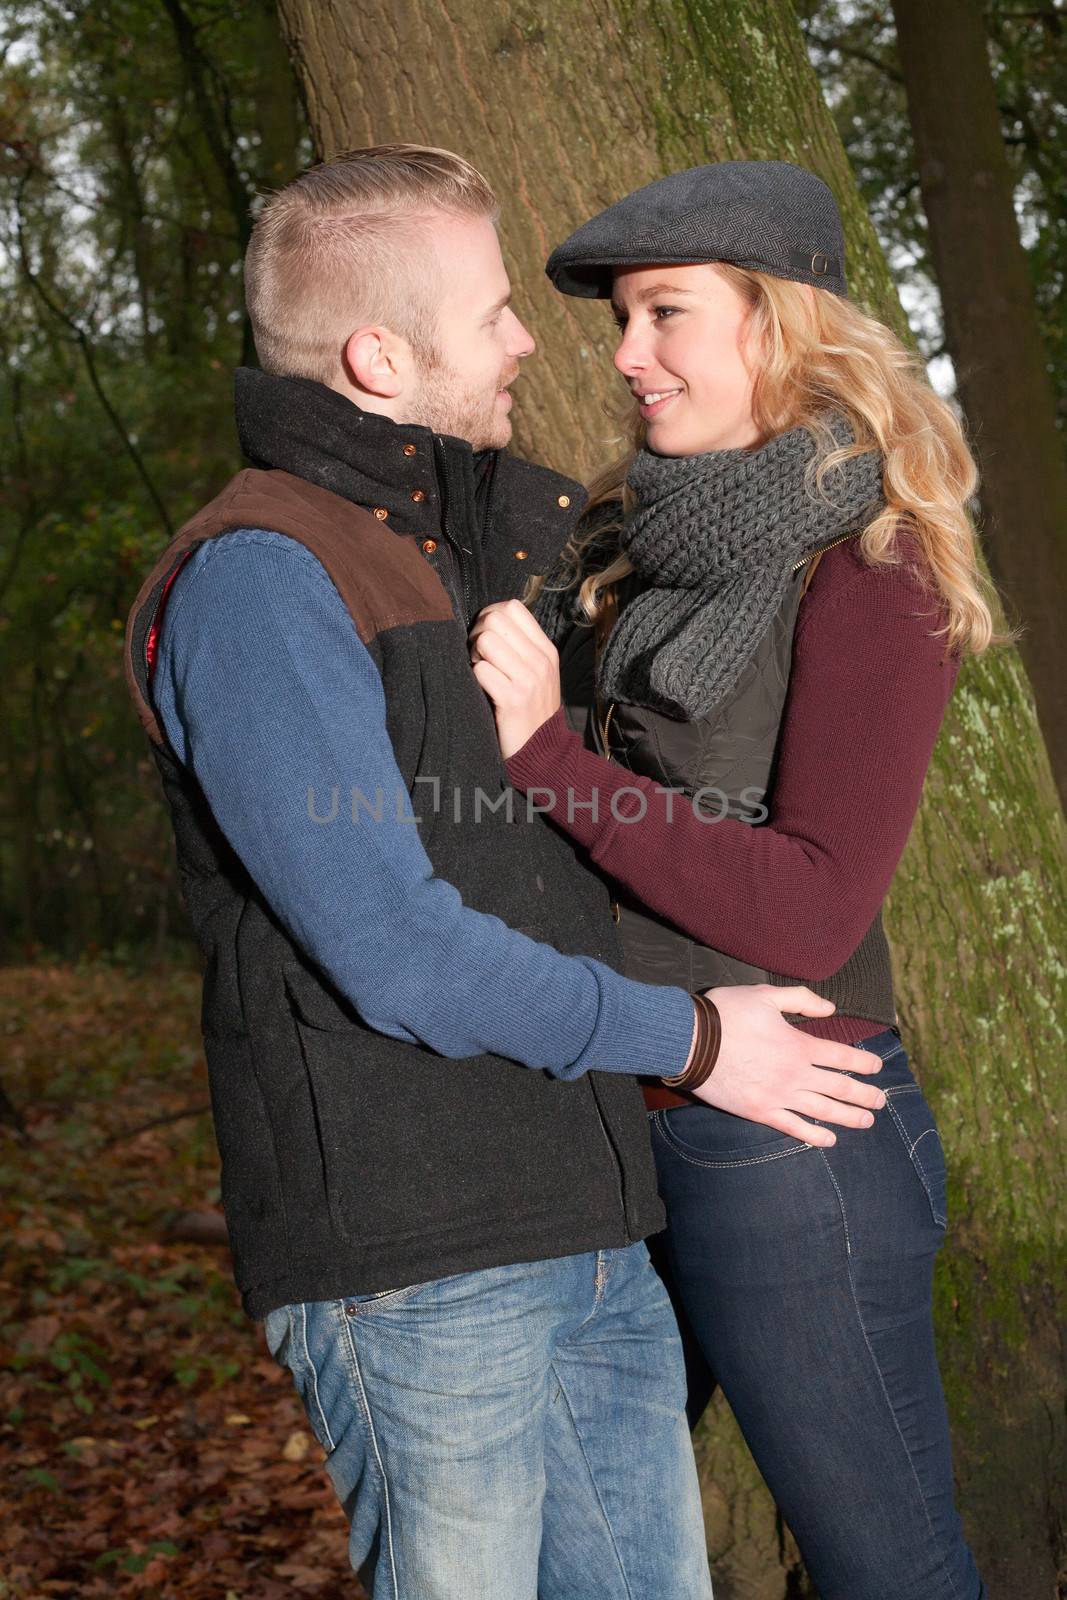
(268, 695)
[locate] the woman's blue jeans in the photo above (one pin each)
(802, 1281)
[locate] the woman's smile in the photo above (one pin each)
(653, 401)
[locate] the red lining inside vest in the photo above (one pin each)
(151, 645)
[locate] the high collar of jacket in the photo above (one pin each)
(425, 483)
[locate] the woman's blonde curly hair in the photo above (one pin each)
(820, 352)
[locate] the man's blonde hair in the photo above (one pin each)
(346, 244)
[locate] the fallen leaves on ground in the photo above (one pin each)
(149, 1446)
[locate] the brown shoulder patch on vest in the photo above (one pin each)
(380, 575)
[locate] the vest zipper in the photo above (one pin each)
(448, 527)
(483, 529)
(822, 550)
(464, 585)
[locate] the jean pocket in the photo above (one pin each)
(914, 1121)
(358, 1305)
(708, 1137)
(276, 1332)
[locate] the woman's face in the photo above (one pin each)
(684, 357)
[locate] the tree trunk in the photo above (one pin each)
(565, 109)
(992, 332)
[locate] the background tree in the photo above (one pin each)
(955, 117)
(993, 332)
(853, 47)
(564, 115)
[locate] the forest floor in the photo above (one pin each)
(149, 1446)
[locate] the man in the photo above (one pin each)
(435, 1167)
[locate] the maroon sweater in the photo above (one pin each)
(867, 693)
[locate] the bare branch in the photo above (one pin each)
(85, 345)
(153, 1122)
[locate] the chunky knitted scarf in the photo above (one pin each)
(713, 542)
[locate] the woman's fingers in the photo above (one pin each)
(511, 620)
(493, 681)
(496, 644)
(509, 661)
(524, 682)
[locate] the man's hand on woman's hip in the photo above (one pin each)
(773, 1073)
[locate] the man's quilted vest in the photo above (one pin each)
(353, 1162)
(726, 759)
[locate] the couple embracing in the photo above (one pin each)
(506, 888)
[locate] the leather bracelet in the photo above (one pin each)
(706, 1049)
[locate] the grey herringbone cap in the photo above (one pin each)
(766, 215)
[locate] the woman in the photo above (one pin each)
(758, 626)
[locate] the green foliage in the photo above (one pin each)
(135, 138)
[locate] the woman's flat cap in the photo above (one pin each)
(766, 215)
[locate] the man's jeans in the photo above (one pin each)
(508, 1434)
(804, 1276)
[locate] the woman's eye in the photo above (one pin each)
(620, 322)
(661, 312)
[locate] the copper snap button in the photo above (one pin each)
(429, 546)
(381, 513)
(520, 555)
(409, 449)
(564, 501)
(418, 495)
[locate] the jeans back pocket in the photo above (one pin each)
(708, 1137)
(915, 1123)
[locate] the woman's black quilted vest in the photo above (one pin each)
(727, 758)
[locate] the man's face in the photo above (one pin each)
(479, 339)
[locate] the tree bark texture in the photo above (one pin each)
(565, 109)
(992, 333)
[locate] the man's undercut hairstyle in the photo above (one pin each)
(346, 245)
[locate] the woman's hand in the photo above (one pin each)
(517, 665)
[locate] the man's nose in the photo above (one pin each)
(521, 341)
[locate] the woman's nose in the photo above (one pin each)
(629, 357)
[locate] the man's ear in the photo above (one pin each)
(374, 361)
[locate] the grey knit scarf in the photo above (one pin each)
(713, 542)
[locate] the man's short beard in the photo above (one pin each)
(443, 404)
